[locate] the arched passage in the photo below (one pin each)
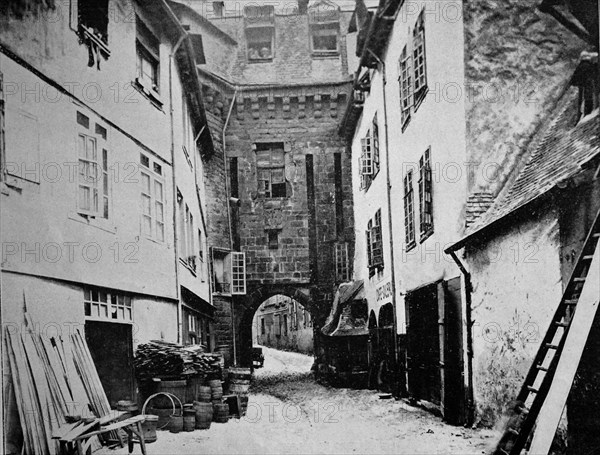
(253, 300)
(282, 322)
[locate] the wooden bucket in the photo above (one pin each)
(149, 428)
(221, 413)
(203, 414)
(175, 424)
(189, 419)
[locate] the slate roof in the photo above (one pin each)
(558, 155)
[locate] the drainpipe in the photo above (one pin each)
(469, 323)
(235, 364)
(389, 206)
(174, 184)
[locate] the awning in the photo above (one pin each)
(341, 320)
(197, 303)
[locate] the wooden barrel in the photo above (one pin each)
(149, 428)
(221, 413)
(204, 414)
(243, 406)
(216, 389)
(189, 419)
(225, 351)
(175, 424)
(177, 388)
(204, 394)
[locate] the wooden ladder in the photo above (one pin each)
(538, 381)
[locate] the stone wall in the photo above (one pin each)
(517, 62)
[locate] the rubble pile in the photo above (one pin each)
(157, 359)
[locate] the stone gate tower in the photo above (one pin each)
(276, 84)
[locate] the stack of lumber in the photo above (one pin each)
(162, 359)
(54, 382)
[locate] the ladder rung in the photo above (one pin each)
(596, 235)
(587, 257)
(512, 430)
(551, 346)
(579, 279)
(561, 324)
(571, 302)
(532, 389)
(541, 368)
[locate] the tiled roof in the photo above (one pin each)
(557, 156)
(477, 205)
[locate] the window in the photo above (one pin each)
(342, 269)
(420, 67)
(404, 79)
(148, 59)
(153, 200)
(93, 197)
(324, 38)
(425, 196)
(218, 8)
(409, 211)
(270, 163)
(108, 306)
(285, 325)
(228, 272)
(374, 244)
(262, 326)
(192, 328)
(273, 239)
(260, 32)
(187, 234)
(92, 18)
(369, 159)
(188, 132)
(238, 273)
(201, 254)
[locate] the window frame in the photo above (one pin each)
(342, 262)
(266, 185)
(317, 29)
(409, 211)
(147, 49)
(405, 86)
(99, 161)
(426, 224)
(263, 21)
(238, 273)
(419, 57)
(154, 177)
(113, 303)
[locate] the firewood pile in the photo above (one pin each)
(157, 359)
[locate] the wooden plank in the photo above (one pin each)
(568, 363)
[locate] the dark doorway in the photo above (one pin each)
(111, 347)
(423, 356)
(452, 363)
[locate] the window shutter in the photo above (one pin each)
(377, 249)
(238, 273)
(367, 156)
(369, 254)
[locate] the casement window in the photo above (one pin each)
(148, 59)
(374, 244)
(187, 234)
(342, 268)
(192, 328)
(238, 273)
(188, 146)
(409, 211)
(419, 63)
(153, 199)
(92, 18)
(99, 304)
(260, 32)
(369, 158)
(425, 195)
(228, 272)
(270, 163)
(406, 88)
(93, 182)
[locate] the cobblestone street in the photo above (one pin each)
(289, 412)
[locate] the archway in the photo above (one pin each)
(282, 322)
(251, 303)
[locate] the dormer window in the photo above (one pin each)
(260, 32)
(324, 21)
